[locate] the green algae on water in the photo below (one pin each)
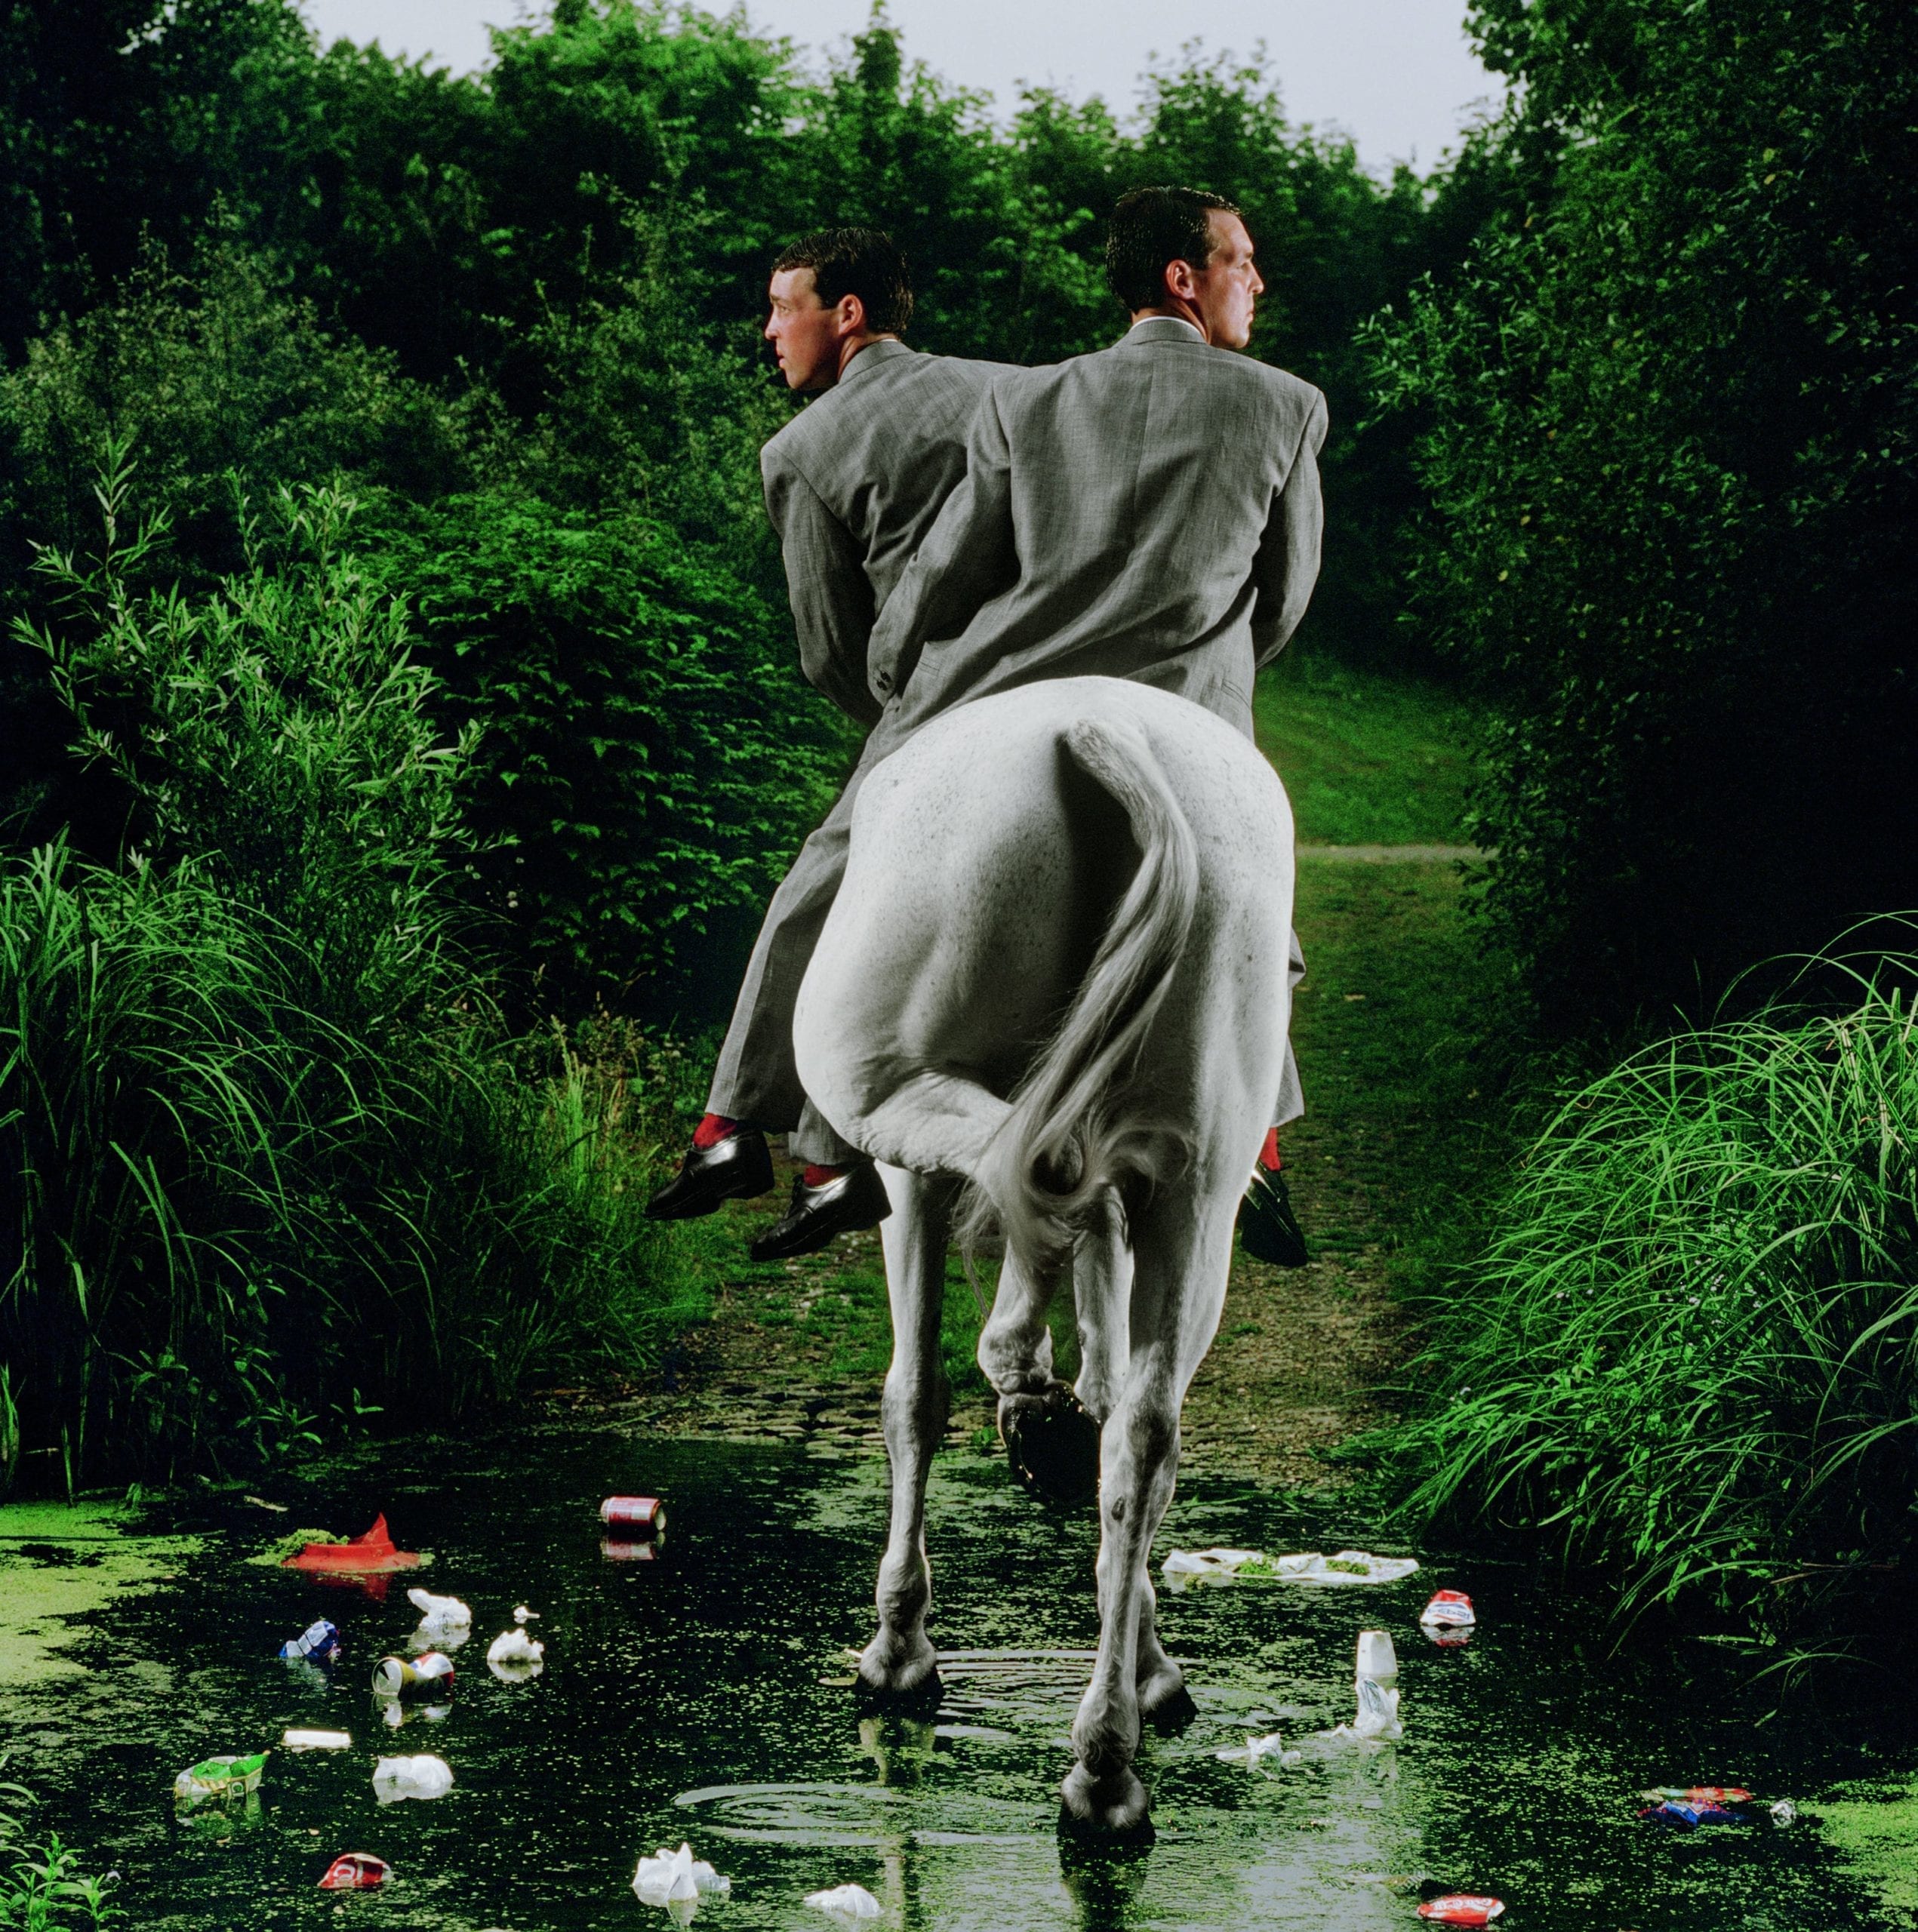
(61, 1564)
(1873, 1829)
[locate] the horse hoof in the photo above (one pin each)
(897, 1678)
(1114, 1808)
(1166, 1705)
(1052, 1445)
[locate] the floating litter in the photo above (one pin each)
(396, 1778)
(355, 1872)
(427, 1674)
(1185, 1567)
(850, 1902)
(521, 1614)
(668, 1877)
(320, 1640)
(1785, 1812)
(1462, 1909)
(512, 1655)
(449, 1611)
(1449, 1610)
(636, 1515)
(372, 1553)
(224, 1777)
(1256, 1748)
(316, 1740)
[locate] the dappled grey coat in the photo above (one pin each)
(853, 484)
(1150, 511)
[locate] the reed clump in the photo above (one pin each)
(1689, 1352)
(269, 1163)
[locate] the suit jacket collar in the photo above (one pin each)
(869, 357)
(1164, 328)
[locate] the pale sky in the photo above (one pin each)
(1398, 75)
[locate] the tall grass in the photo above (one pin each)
(267, 1161)
(1690, 1352)
(44, 1886)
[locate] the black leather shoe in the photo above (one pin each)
(1268, 1229)
(730, 1170)
(818, 1216)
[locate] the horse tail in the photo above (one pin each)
(1073, 1131)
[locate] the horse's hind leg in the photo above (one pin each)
(900, 1661)
(1182, 1252)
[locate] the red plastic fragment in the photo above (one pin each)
(371, 1553)
(1461, 1908)
(355, 1872)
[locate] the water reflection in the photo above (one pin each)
(698, 1692)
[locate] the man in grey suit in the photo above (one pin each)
(853, 484)
(1149, 511)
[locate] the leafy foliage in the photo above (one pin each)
(1690, 1355)
(646, 759)
(1668, 417)
(269, 1160)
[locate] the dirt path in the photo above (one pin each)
(797, 1352)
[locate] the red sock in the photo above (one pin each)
(712, 1129)
(1269, 1153)
(817, 1176)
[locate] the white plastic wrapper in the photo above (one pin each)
(1256, 1750)
(1377, 1718)
(1183, 1568)
(426, 1776)
(850, 1903)
(447, 1612)
(512, 1655)
(672, 1877)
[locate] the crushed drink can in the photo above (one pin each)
(1449, 1610)
(430, 1674)
(320, 1641)
(633, 1516)
(355, 1872)
(1461, 1908)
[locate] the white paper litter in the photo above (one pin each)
(439, 1612)
(1785, 1812)
(1185, 1567)
(396, 1778)
(851, 1903)
(513, 1650)
(316, 1740)
(1254, 1749)
(669, 1877)
(520, 1613)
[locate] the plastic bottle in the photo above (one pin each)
(320, 1641)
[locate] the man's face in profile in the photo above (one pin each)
(805, 334)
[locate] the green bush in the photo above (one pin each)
(1689, 1352)
(1668, 420)
(647, 757)
(268, 1159)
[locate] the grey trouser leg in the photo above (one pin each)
(756, 1078)
(1291, 1096)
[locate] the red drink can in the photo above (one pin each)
(635, 1515)
(355, 1872)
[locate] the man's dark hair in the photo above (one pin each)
(1152, 227)
(864, 262)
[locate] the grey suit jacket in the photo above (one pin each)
(853, 484)
(1151, 512)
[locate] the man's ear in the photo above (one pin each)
(1179, 279)
(852, 315)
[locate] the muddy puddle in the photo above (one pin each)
(703, 1694)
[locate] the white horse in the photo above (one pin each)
(1055, 979)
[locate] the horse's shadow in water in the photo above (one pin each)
(1109, 853)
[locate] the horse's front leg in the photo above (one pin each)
(900, 1661)
(1182, 1255)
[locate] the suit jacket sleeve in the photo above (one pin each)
(826, 584)
(968, 556)
(1287, 565)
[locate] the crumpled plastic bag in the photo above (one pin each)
(668, 1877)
(850, 1902)
(1183, 1568)
(425, 1777)
(512, 1655)
(1378, 1716)
(448, 1612)
(1254, 1749)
